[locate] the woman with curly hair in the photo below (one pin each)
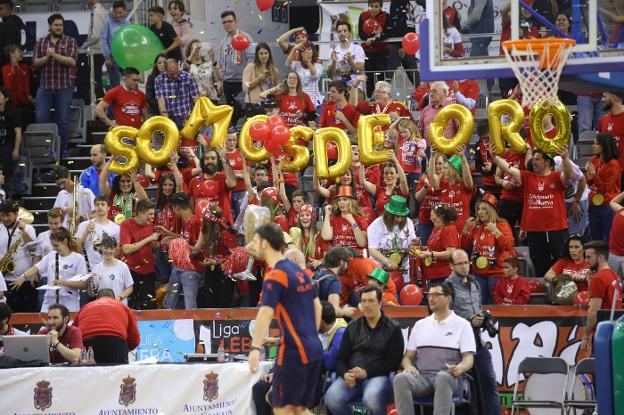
(307, 238)
(344, 224)
(443, 240)
(122, 195)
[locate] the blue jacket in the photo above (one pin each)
(111, 26)
(90, 179)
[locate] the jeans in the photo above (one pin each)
(578, 227)
(237, 199)
(600, 219)
(423, 230)
(486, 284)
(163, 266)
(61, 101)
(485, 379)
(376, 394)
(188, 282)
(407, 386)
(114, 73)
(589, 112)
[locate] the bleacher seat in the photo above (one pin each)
(587, 136)
(42, 146)
(77, 128)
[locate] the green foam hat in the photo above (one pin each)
(380, 275)
(397, 206)
(456, 162)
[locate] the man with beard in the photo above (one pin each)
(613, 122)
(13, 230)
(90, 177)
(287, 293)
(55, 58)
(214, 183)
(604, 288)
(328, 281)
(65, 340)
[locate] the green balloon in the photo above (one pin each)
(135, 46)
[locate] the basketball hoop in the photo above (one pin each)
(537, 64)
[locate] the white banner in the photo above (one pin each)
(176, 389)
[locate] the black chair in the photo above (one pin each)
(584, 368)
(541, 366)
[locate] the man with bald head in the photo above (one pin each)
(90, 177)
(175, 90)
(467, 304)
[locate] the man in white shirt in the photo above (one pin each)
(440, 348)
(65, 198)
(347, 58)
(94, 230)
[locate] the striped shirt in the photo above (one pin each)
(55, 75)
(178, 93)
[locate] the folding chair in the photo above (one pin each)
(461, 397)
(583, 368)
(540, 366)
(42, 146)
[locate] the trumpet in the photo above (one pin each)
(75, 219)
(97, 244)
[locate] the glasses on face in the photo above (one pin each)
(435, 295)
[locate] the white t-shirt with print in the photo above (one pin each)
(309, 82)
(86, 202)
(68, 266)
(110, 228)
(116, 277)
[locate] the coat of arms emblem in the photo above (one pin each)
(127, 391)
(43, 395)
(211, 387)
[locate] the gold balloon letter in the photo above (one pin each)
(323, 136)
(369, 139)
(461, 138)
(300, 155)
(114, 141)
(144, 140)
(562, 119)
(509, 132)
(205, 113)
(245, 142)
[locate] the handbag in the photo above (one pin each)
(565, 290)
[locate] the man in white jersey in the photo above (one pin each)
(93, 231)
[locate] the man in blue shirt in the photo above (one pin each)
(115, 21)
(327, 278)
(175, 90)
(89, 178)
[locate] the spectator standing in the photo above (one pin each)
(480, 20)
(438, 99)
(427, 196)
(402, 21)
(93, 44)
(298, 33)
(175, 90)
(394, 183)
(613, 122)
(90, 177)
(512, 288)
(115, 21)
(109, 327)
(260, 75)
(296, 107)
(11, 27)
(343, 224)
(204, 72)
(440, 349)
(346, 58)
(93, 232)
(309, 69)
(603, 177)
(127, 102)
(371, 348)
(165, 32)
(576, 198)
(483, 159)
(55, 58)
(233, 63)
(10, 135)
(376, 52)
(382, 101)
(235, 159)
(182, 26)
(66, 198)
(337, 112)
(16, 78)
(511, 202)
(65, 340)
(616, 239)
(160, 67)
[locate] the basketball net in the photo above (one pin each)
(537, 64)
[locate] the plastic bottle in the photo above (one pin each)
(90, 357)
(221, 352)
(83, 357)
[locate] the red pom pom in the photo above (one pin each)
(236, 262)
(180, 253)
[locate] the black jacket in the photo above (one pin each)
(11, 31)
(378, 351)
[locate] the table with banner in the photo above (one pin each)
(206, 389)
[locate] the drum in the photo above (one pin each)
(550, 388)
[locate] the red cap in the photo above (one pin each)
(489, 198)
(345, 191)
(271, 193)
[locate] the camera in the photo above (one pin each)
(489, 324)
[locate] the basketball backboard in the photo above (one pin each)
(598, 50)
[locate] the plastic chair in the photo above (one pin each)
(583, 368)
(461, 397)
(542, 366)
(42, 146)
(587, 136)
(77, 124)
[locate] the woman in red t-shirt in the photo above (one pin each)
(394, 183)
(344, 224)
(122, 195)
(571, 265)
(165, 218)
(603, 177)
(296, 107)
(427, 196)
(490, 239)
(307, 238)
(443, 240)
(616, 238)
(346, 179)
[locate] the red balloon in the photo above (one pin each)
(397, 277)
(264, 4)
(535, 286)
(280, 134)
(506, 411)
(411, 43)
(332, 151)
(393, 412)
(411, 295)
(370, 26)
(582, 299)
(274, 120)
(272, 146)
(240, 42)
(259, 131)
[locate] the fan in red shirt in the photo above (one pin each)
(307, 238)
(293, 206)
(616, 239)
(128, 103)
(348, 178)
(572, 264)
(165, 219)
(443, 239)
(427, 196)
(410, 148)
(376, 52)
(382, 101)
(603, 177)
(269, 198)
(214, 185)
(512, 289)
(16, 77)
(613, 121)
(235, 160)
(337, 112)
(511, 195)
(343, 224)
(544, 216)
(606, 286)
(483, 159)
(122, 194)
(296, 107)
(110, 327)
(394, 183)
(65, 340)
(138, 238)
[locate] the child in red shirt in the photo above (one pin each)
(512, 288)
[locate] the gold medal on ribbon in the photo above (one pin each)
(428, 261)
(481, 262)
(395, 258)
(598, 199)
(120, 217)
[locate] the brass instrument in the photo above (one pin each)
(75, 219)
(97, 244)
(7, 263)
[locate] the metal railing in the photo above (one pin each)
(139, 14)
